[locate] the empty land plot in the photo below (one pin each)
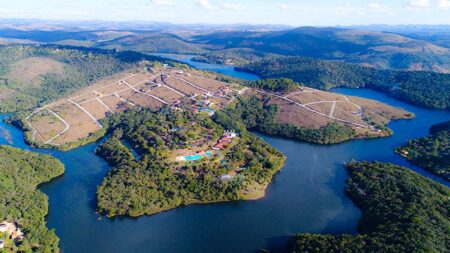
(113, 102)
(114, 87)
(104, 83)
(136, 79)
(81, 125)
(165, 94)
(324, 108)
(144, 100)
(46, 124)
(343, 114)
(182, 86)
(293, 114)
(95, 108)
(205, 83)
(313, 97)
(379, 108)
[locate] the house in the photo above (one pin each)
(229, 134)
(2, 244)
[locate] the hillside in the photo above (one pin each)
(401, 212)
(180, 163)
(238, 45)
(418, 87)
(33, 75)
(21, 172)
(153, 42)
(280, 107)
(431, 152)
(370, 48)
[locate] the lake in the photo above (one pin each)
(307, 196)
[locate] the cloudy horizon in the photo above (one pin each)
(288, 12)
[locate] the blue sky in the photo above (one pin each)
(298, 12)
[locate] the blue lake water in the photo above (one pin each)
(307, 196)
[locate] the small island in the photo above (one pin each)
(167, 158)
(402, 211)
(22, 207)
(431, 152)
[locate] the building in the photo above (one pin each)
(229, 134)
(2, 244)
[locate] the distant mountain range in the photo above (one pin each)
(386, 47)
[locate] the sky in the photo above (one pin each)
(289, 12)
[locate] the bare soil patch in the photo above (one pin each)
(81, 125)
(95, 108)
(46, 124)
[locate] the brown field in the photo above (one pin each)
(29, 71)
(95, 108)
(139, 78)
(143, 100)
(311, 97)
(112, 102)
(346, 112)
(296, 115)
(205, 83)
(165, 94)
(81, 125)
(182, 87)
(324, 108)
(47, 125)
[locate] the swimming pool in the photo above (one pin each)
(193, 157)
(197, 156)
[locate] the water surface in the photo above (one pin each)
(307, 196)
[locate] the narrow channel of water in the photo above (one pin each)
(307, 196)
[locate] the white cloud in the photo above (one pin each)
(444, 4)
(162, 2)
(206, 4)
(419, 4)
(233, 7)
(375, 6)
(285, 7)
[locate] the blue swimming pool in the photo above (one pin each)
(193, 157)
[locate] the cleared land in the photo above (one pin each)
(313, 108)
(79, 115)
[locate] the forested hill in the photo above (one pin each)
(20, 173)
(418, 87)
(402, 211)
(431, 152)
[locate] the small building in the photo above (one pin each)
(229, 134)
(2, 244)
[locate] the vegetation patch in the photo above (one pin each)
(431, 152)
(418, 87)
(401, 212)
(185, 158)
(20, 174)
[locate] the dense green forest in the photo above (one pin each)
(401, 212)
(252, 113)
(418, 87)
(82, 66)
(431, 152)
(20, 173)
(158, 182)
(284, 85)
